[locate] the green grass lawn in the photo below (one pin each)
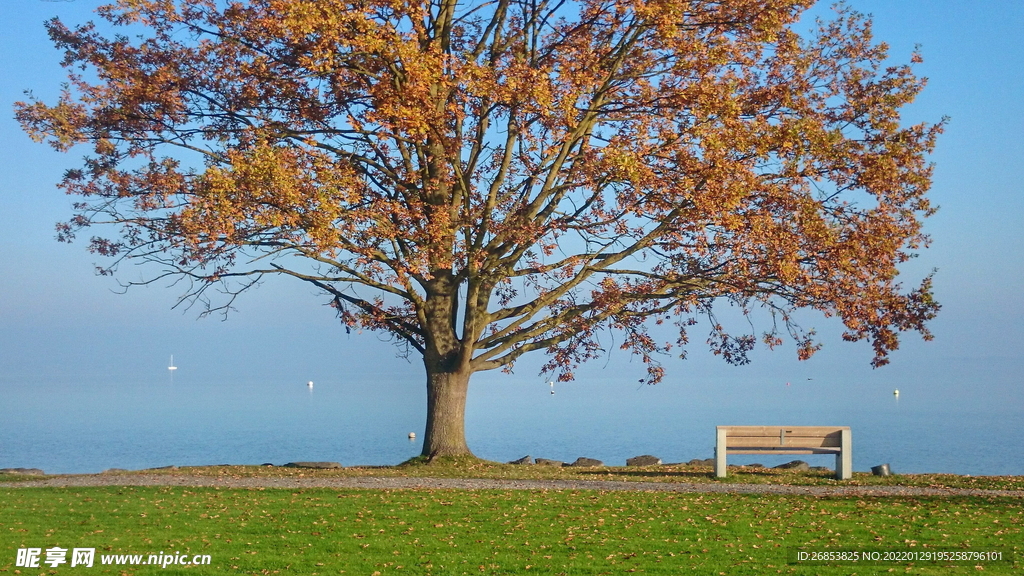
(367, 532)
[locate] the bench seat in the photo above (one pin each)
(835, 440)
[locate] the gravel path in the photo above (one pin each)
(384, 482)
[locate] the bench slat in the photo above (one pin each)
(833, 441)
(774, 430)
(783, 451)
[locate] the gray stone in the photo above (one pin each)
(821, 469)
(699, 462)
(586, 462)
(113, 471)
(269, 464)
(25, 471)
(320, 465)
(645, 460)
(753, 466)
(546, 462)
(163, 468)
(524, 460)
(794, 466)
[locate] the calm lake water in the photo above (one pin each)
(88, 426)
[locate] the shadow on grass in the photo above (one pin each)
(708, 474)
(648, 473)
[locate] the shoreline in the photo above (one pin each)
(420, 483)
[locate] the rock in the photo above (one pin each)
(270, 464)
(25, 471)
(795, 466)
(821, 469)
(586, 462)
(546, 462)
(113, 471)
(163, 468)
(320, 465)
(753, 465)
(699, 462)
(645, 460)
(524, 460)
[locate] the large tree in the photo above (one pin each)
(482, 179)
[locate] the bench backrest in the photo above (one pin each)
(783, 436)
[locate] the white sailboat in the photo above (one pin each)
(171, 365)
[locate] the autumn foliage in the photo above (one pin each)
(485, 179)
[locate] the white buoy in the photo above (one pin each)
(896, 393)
(412, 435)
(309, 384)
(552, 387)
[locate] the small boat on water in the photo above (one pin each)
(171, 365)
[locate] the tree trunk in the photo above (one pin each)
(446, 412)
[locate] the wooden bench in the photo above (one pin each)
(786, 440)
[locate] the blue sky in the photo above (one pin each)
(60, 321)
